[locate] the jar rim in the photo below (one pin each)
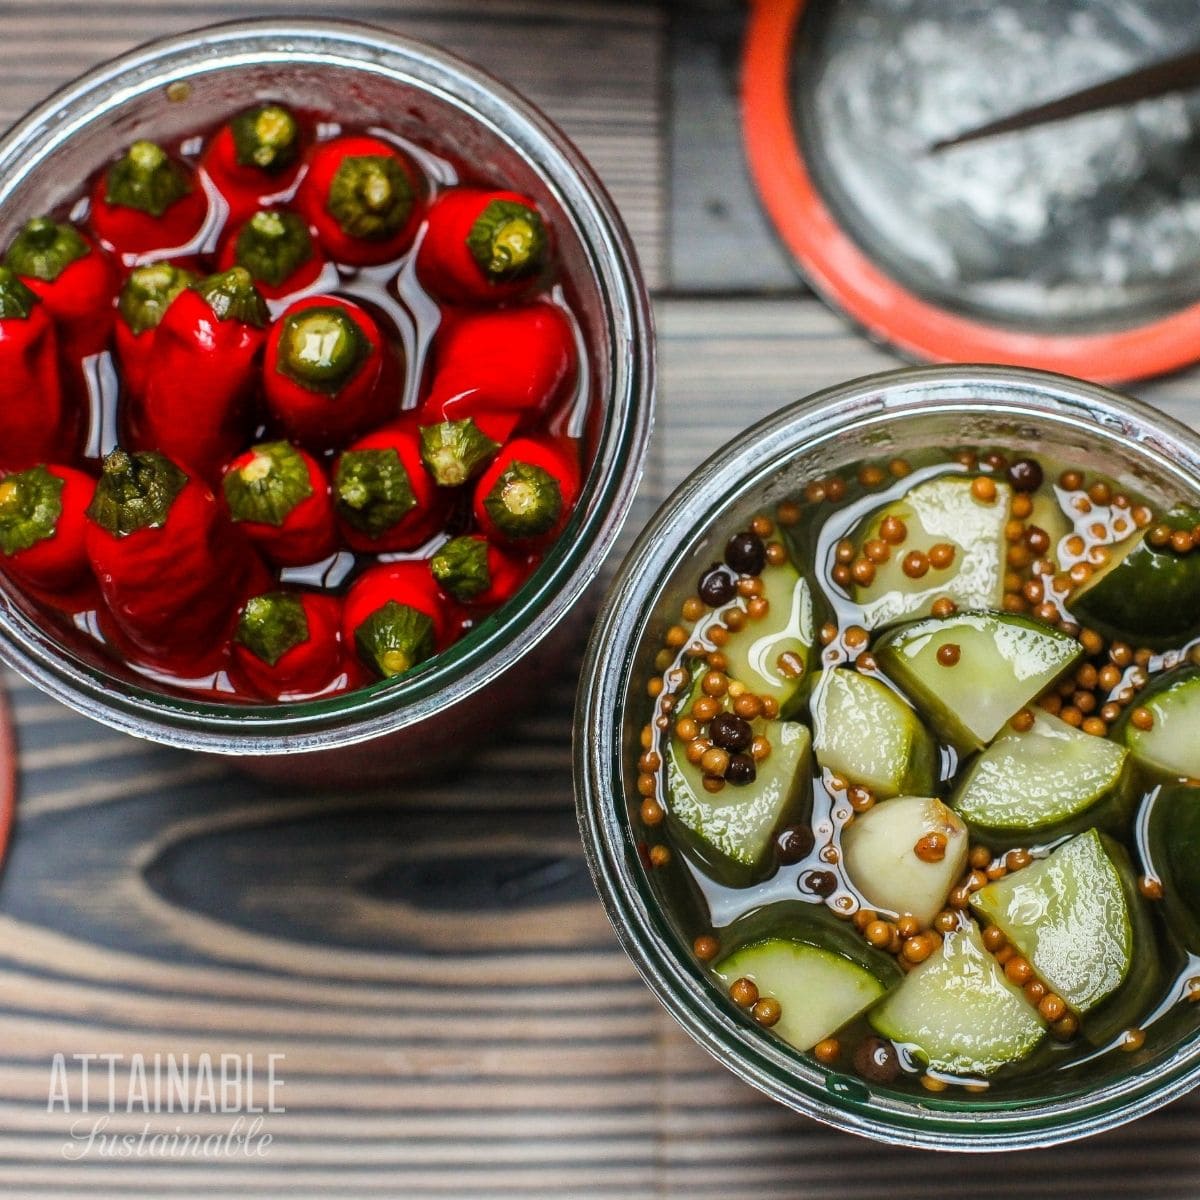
(602, 782)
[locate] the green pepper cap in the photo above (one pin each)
(395, 638)
(269, 486)
(508, 241)
(233, 297)
(321, 349)
(266, 137)
(272, 245)
(271, 625)
(135, 491)
(16, 299)
(525, 501)
(455, 451)
(371, 196)
(371, 490)
(30, 505)
(44, 249)
(461, 567)
(148, 293)
(147, 179)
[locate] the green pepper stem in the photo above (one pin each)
(321, 348)
(232, 296)
(148, 293)
(372, 490)
(272, 245)
(266, 137)
(30, 505)
(272, 624)
(525, 501)
(147, 179)
(371, 196)
(508, 241)
(455, 451)
(16, 299)
(269, 486)
(44, 249)
(461, 567)
(135, 491)
(395, 638)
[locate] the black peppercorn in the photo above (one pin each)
(741, 769)
(818, 883)
(1025, 475)
(795, 844)
(730, 732)
(716, 586)
(746, 553)
(876, 1060)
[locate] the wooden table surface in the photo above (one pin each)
(455, 1016)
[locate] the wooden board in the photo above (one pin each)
(455, 1014)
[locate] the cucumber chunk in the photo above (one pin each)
(1142, 594)
(733, 831)
(770, 655)
(818, 991)
(879, 854)
(1173, 849)
(939, 510)
(864, 731)
(958, 1012)
(1004, 661)
(1035, 782)
(1048, 516)
(1171, 746)
(1069, 916)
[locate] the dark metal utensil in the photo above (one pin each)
(1178, 74)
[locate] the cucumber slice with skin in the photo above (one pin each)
(1173, 851)
(958, 1012)
(818, 991)
(1069, 916)
(1171, 746)
(879, 854)
(864, 731)
(770, 655)
(1029, 785)
(733, 831)
(945, 510)
(1142, 594)
(1004, 661)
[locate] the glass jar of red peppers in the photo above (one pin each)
(167, 112)
(336, 419)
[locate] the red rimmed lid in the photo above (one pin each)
(849, 277)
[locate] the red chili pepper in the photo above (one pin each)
(147, 201)
(288, 646)
(255, 157)
(278, 250)
(363, 197)
(476, 573)
(31, 395)
(324, 372)
(141, 303)
(482, 247)
(42, 526)
(383, 496)
(501, 368)
(526, 496)
(172, 568)
(73, 278)
(279, 496)
(393, 617)
(203, 374)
